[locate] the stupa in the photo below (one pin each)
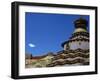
(76, 49)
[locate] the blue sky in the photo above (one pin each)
(45, 32)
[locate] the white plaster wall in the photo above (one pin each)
(79, 44)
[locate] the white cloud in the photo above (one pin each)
(31, 45)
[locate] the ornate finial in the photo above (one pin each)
(81, 23)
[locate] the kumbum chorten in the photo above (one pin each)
(76, 49)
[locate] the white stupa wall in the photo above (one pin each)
(79, 44)
(65, 47)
